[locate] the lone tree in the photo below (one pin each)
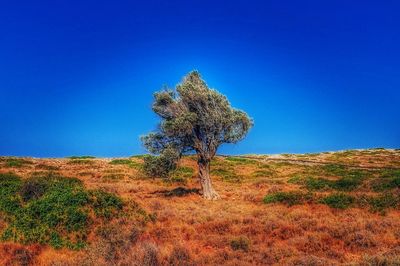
(195, 118)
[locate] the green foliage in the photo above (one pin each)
(346, 184)
(389, 179)
(105, 204)
(240, 243)
(298, 180)
(342, 184)
(16, 162)
(290, 198)
(338, 200)
(263, 173)
(181, 174)
(227, 174)
(240, 160)
(52, 210)
(10, 184)
(127, 162)
(382, 202)
(161, 165)
(345, 172)
(318, 183)
(194, 118)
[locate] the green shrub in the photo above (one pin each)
(16, 162)
(383, 184)
(181, 174)
(346, 184)
(312, 183)
(240, 243)
(240, 160)
(342, 184)
(383, 202)
(290, 198)
(52, 210)
(161, 165)
(338, 201)
(389, 179)
(105, 204)
(10, 200)
(127, 162)
(298, 180)
(227, 174)
(263, 173)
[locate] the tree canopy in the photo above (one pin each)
(195, 118)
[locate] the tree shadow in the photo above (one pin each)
(178, 192)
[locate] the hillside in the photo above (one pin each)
(309, 209)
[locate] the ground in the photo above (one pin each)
(311, 209)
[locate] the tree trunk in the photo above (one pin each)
(205, 181)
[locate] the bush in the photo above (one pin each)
(389, 179)
(346, 184)
(289, 198)
(383, 202)
(161, 165)
(240, 243)
(240, 160)
(227, 174)
(127, 162)
(16, 162)
(52, 210)
(338, 201)
(317, 183)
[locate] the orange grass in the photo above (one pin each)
(188, 230)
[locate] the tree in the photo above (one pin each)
(195, 118)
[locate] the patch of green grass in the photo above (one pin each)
(346, 184)
(181, 174)
(382, 202)
(338, 200)
(227, 174)
(312, 183)
(388, 179)
(290, 198)
(138, 156)
(298, 180)
(52, 210)
(16, 162)
(127, 162)
(240, 160)
(263, 173)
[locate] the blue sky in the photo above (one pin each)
(77, 77)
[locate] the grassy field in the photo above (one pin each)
(309, 209)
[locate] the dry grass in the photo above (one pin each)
(239, 229)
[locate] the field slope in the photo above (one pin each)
(333, 208)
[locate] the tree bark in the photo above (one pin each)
(205, 180)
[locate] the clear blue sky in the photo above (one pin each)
(77, 77)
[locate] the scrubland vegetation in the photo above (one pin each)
(339, 208)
